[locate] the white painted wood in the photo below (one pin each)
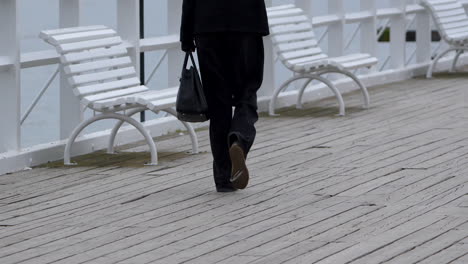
(398, 35)
(424, 38)
(104, 87)
(94, 99)
(93, 54)
(75, 69)
(91, 44)
(83, 36)
(175, 56)
(336, 34)
(368, 41)
(70, 109)
(52, 32)
(155, 95)
(103, 76)
(10, 104)
(128, 28)
(306, 5)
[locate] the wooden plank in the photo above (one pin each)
(385, 184)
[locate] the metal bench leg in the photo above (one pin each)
(277, 91)
(434, 62)
(115, 130)
(327, 82)
(301, 94)
(191, 131)
(124, 118)
(457, 57)
(361, 85)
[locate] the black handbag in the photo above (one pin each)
(191, 105)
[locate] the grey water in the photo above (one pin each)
(42, 125)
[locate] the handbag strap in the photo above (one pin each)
(187, 55)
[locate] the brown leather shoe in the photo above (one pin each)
(239, 173)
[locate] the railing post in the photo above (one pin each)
(306, 5)
(423, 37)
(336, 30)
(70, 110)
(175, 57)
(368, 32)
(268, 85)
(10, 104)
(398, 35)
(128, 27)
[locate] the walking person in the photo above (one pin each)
(227, 35)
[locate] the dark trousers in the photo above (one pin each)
(231, 67)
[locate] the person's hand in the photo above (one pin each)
(188, 46)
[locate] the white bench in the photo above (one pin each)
(102, 75)
(451, 20)
(296, 46)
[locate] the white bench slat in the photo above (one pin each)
(321, 58)
(287, 20)
(312, 65)
(98, 53)
(285, 12)
(359, 63)
(456, 31)
(121, 101)
(155, 95)
(46, 34)
(293, 37)
(300, 53)
(290, 28)
(453, 19)
(280, 7)
(105, 87)
(82, 36)
(310, 43)
(449, 13)
(448, 6)
(460, 37)
(440, 2)
(352, 57)
(92, 44)
(160, 104)
(102, 76)
(113, 94)
(456, 25)
(98, 65)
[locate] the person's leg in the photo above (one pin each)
(247, 76)
(212, 57)
(249, 71)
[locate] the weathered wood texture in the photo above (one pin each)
(384, 185)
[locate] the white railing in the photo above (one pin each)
(401, 15)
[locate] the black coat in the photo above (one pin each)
(209, 16)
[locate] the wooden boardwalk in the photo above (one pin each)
(384, 185)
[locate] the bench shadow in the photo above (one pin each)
(446, 75)
(314, 111)
(120, 159)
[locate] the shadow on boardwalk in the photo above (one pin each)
(388, 184)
